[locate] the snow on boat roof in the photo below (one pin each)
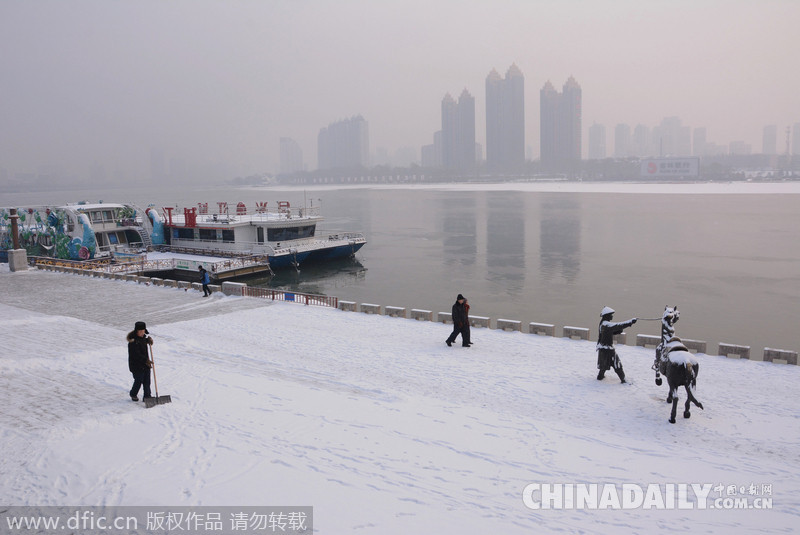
(93, 206)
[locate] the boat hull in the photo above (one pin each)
(332, 253)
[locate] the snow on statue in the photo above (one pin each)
(606, 354)
(674, 360)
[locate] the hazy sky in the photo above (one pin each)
(101, 81)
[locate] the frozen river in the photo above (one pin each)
(728, 255)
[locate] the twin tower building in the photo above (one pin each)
(455, 148)
(345, 144)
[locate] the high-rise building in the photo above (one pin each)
(344, 144)
(291, 156)
(796, 139)
(458, 131)
(622, 141)
(505, 120)
(560, 126)
(699, 143)
(665, 136)
(597, 142)
(770, 140)
(642, 145)
(740, 148)
(432, 154)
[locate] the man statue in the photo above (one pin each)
(606, 354)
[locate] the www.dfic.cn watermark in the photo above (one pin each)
(651, 496)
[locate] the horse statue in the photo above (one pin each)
(674, 361)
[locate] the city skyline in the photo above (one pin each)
(95, 87)
(505, 120)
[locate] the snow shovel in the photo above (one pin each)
(158, 400)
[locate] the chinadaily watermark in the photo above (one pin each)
(128, 520)
(647, 496)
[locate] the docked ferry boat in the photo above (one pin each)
(81, 231)
(228, 243)
(285, 234)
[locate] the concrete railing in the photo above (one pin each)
(233, 288)
(576, 333)
(542, 329)
(479, 321)
(509, 325)
(369, 308)
(395, 312)
(348, 306)
(727, 350)
(421, 315)
(696, 346)
(771, 355)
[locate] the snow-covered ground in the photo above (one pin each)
(371, 420)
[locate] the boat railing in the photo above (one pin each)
(199, 251)
(214, 267)
(113, 248)
(94, 265)
(296, 297)
(232, 215)
(346, 236)
(141, 264)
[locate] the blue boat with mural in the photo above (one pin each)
(80, 231)
(271, 237)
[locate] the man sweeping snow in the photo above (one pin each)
(606, 354)
(138, 360)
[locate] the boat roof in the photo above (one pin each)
(92, 206)
(215, 220)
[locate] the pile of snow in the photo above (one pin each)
(371, 420)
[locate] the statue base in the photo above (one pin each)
(17, 259)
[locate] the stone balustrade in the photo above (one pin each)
(542, 329)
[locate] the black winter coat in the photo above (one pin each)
(138, 358)
(460, 316)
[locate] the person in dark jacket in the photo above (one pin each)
(606, 354)
(466, 335)
(460, 322)
(139, 359)
(205, 279)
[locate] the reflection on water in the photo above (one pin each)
(505, 240)
(317, 279)
(460, 245)
(560, 237)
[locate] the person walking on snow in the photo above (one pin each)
(460, 322)
(138, 359)
(606, 354)
(468, 337)
(205, 279)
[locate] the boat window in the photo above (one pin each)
(290, 233)
(260, 234)
(107, 215)
(112, 238)
(228, 235)
(183, 233)
(208, 234)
